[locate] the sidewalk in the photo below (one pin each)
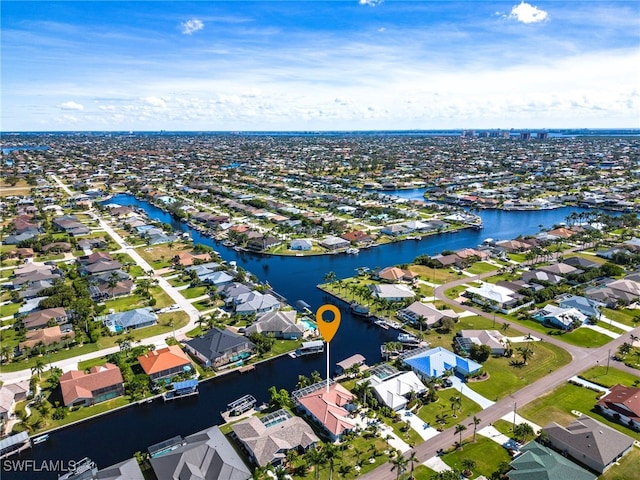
(470, 394)
(418, 424)
(602, 330)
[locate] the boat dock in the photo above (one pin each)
(14, 444)
(187, 388)
(239, 408)
(246, 368)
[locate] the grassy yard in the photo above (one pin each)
(558, 405)
(581, 337)
(10, 309)
(411, 437)
(485, 452)
(193, 292)
(428, 274)
(505, 378)
(481, 267)
(423, 473)
(624, 315)
(159, 256)
(625, 469)
(431, 412)
(53, 357)
(600, 376)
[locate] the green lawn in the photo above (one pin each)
(411, 437)
(485, 452)
(505, 378)
(423, 473)
(122, 304)
(481, 267)
(581, 337)
(625, 468)
(441, 275)
(10, 309)
(623, 315)
(429, 412)
(193, 292)
(558, 405)
(600, 376)
(53, 357)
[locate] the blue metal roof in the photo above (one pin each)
(185, 384)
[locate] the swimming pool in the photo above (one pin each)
(308, 324)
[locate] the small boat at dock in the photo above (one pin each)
(40, 439)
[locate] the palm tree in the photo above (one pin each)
(459, 429)
(505, 326)
(525, 353)
(38, 368)
(399, 465)
(5, 353)
(317, 458)
(315, 377)
(413, 459)
(330, 452)
(468, 466)
(112, 282)
(476, 422)
(456, 403)
(330, 277)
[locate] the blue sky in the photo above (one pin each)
(338, 65)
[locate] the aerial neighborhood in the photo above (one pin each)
(140, 272)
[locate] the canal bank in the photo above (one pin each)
(115, 437)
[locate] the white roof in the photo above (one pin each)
(493, 292)
(393, 391)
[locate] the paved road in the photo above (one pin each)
(582, 359)
(158, 340)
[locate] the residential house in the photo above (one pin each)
(102, 383)
(165, 362)
(10, 394)
(617, 292)
(334, 243)
(447, 260)
(514, 246)
(41, 318)
(392, 292)
(535, 276)
(564, 318)
(436, 361)
(589, 442)
(537, 462)
(501, 298)
(330, 408)
(425, 314)
(263, 242)
(186, 259)
(280, 324)
(126, 470)
(394, 391)
(394, 230)
(622, 404)
(358, 237)
(581, 263)
(395, 275)
(582, 304)
(204, 455)
(48, 336)
(302, 244)
(493, 338)
(232, 291)
(268, 442)
(219, 347)
(560, 269)
(129, 320)
(255, 302)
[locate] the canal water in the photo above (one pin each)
(116, 436)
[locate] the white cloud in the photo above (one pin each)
(371, 3)
(71, 105)
(155, 102)
(527, 13)
(191, 26)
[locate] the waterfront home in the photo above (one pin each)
(330, 408)
(589, 442)
(622, 404)
(535, 276)
(10, 394)
(355, 360)
(48, 336)
(582, 304)
(125, 470)
(206, 454)
(358, 237)
(539, 462)
(447, 260)
(493, 338)
(129, 320)
(563, 318)
(514, 246)
(434, 362)
(41, 318)
(102, 383)
(302, 244)
(394, 391)
(280, 324)
(268, 439)
(392, 292)
(186, 259)
(165, 362)
(334, 243)
(425, 314)
(255, 302)
(218, 347)
(503, 299)
(395, 275)
(394, 230)
(232, 291)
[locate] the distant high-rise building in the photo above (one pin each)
(542, 135)
(525, 135)
(468, 133)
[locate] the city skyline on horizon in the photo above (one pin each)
(357, 65)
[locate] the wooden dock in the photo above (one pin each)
(247, 368)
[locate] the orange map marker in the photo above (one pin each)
(328, 328)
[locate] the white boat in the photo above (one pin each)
(40, 439)
(353, 251)
(407, 338)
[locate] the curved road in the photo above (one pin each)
(582, 359)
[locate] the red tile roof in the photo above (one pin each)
(78, 385)
(328, 408)
(163, 359)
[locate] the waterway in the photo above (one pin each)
(115, 437)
